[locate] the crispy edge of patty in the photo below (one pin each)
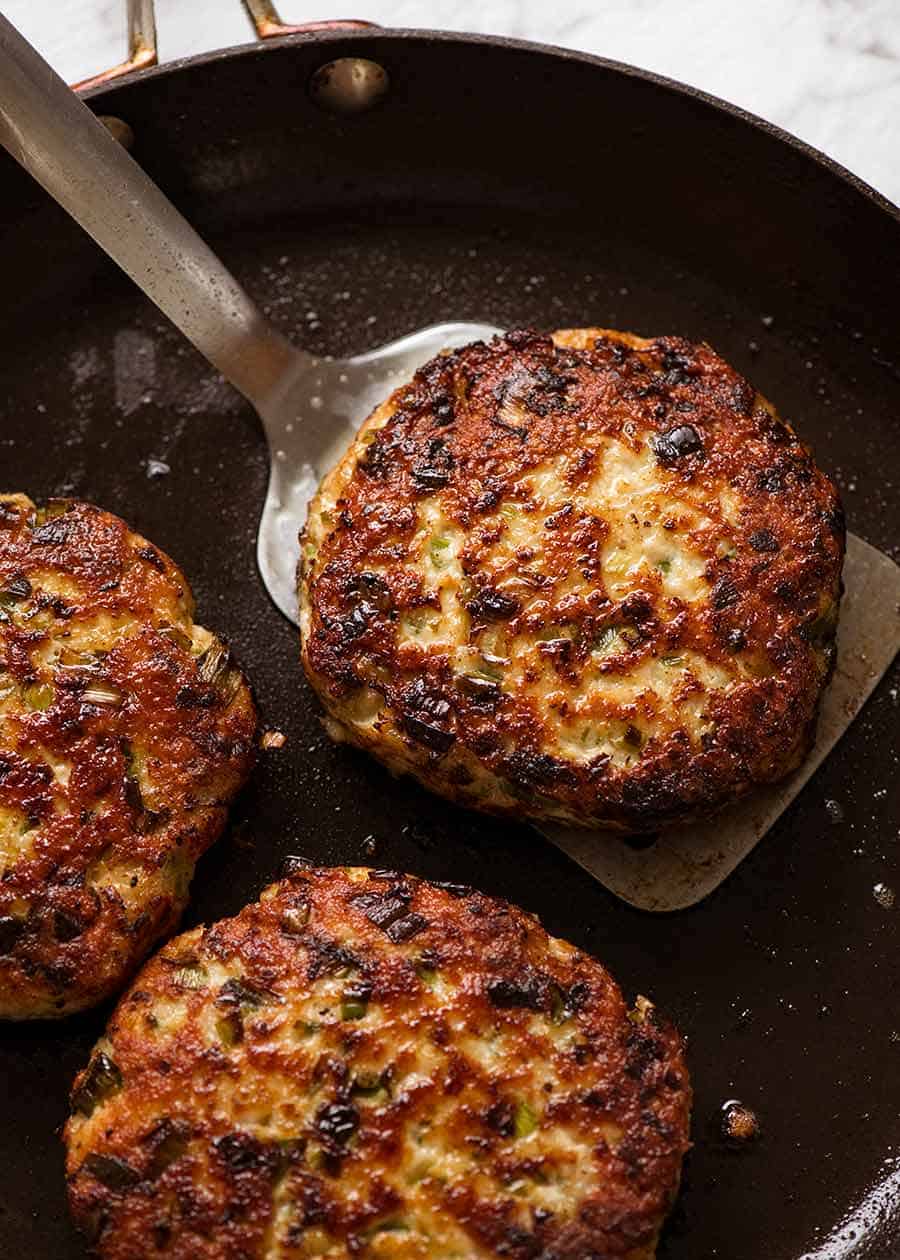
(105, 872)
(651, 799)
(152, 1124)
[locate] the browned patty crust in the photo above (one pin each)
(124, 734)
(587, 577)
(366, 1064)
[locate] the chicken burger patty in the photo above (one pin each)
(586, 577)
(365, 1064)
(124, 733)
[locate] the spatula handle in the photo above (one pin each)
(58, 140)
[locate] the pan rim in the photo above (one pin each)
(413, 38)
(676, 87)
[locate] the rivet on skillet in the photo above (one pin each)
(349, 85)
(119, 130)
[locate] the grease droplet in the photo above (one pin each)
(885, 896)
(835, 811)
(740, 1125)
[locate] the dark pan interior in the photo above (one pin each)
(517, 186)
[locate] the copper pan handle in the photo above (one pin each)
(142, 48)
(142, 51)
(268, 24)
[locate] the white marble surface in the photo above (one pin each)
(827, 70)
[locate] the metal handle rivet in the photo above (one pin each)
(119, 130)
(349, 85)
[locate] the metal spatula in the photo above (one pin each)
(309, 407)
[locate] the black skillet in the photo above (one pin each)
(518, 185)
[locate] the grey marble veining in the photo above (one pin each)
(826, 70)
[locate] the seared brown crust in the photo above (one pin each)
(124, 733)
(592, 578)
(366, 1064)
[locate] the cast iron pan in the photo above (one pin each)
(517, 185)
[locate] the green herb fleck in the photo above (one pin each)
(558, 1010)
(230, 1029)
(100, 1081)
(371, 1085)
(176, 636)
(605, 641)
(524, 1120)
(393, 1226)
(38, 696)
(111, 1171)
(436, 550)
(428, 975)
(354, 1008)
